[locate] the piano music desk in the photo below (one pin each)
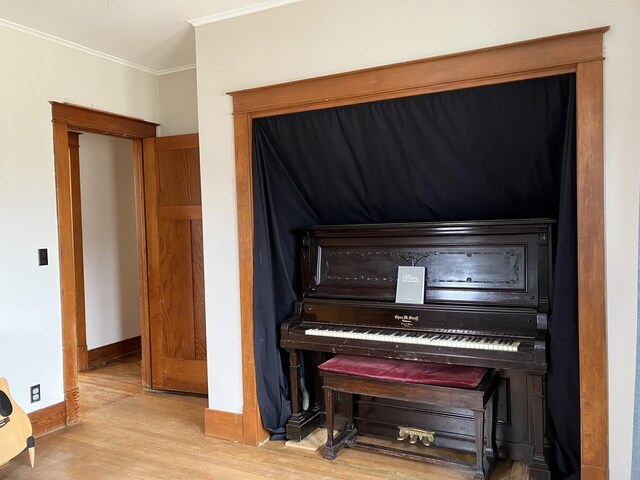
(431, 384)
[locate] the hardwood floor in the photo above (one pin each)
(129, 433)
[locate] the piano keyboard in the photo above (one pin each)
(416, 338)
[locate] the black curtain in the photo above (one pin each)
(494, 152)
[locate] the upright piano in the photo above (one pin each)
(486, 301)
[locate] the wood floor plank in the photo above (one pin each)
(127, 432)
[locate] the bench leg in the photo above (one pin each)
(491, 429)
(349, 401)
(478, 416)
(329, 397)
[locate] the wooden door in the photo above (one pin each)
(177, 342)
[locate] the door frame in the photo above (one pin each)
(74, 118)
(580, 53)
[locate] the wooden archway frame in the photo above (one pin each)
(580, 53)
(72, 118)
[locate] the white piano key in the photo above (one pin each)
(415, 338)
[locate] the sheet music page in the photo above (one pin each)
(410, 287)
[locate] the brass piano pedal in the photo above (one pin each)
(426, 437)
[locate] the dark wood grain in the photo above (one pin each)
(478, 400)
(370, 252)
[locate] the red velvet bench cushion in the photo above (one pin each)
(458, 376)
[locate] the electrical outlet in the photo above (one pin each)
(43, 257)
(35, 393)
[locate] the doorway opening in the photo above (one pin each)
(108, 316)
(70, 118)
(170, 280)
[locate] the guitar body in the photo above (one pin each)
(15, 427)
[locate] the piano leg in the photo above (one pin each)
(302, 422)
(538, 468)
(295, 370)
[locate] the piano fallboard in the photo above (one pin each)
(495, 321)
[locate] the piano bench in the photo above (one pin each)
(432, 384)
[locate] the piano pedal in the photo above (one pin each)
(426, 437)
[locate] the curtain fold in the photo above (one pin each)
(493, 152)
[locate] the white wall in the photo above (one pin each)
(112, 306)
(35, 71)
(319, 37)
(178, 103)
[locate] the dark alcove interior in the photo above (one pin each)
(493, 152)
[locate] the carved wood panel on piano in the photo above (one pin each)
(486, 303)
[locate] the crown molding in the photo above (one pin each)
(197, 22)
(75, 46)
(168, 71)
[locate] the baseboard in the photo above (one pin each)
(591, 472)
(224, 425)
(101, 355)
(83, 358)
(48, 419)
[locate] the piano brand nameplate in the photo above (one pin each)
(410, 286)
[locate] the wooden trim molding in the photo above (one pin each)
(580, 53)
(76, 207)
(594, 473)
(591, 264)
(48, 419)
(97, 121)
(101, 355)
(143, 268)
(254, 432)
(224, 425)
(526, 59)
(73, 118)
